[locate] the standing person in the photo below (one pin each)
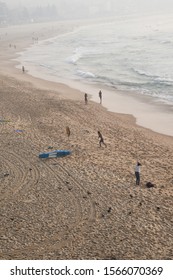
(86, 98)
(68, 131)
(137, 173)
(23, 69)
(100, 96)
(101, 140)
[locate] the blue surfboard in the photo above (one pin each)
(55, 154)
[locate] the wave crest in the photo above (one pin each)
(84, 74)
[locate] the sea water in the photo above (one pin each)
(126, 53)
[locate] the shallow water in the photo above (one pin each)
(128, 53)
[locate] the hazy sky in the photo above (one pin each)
(147, 5)
(157, 3)
(13, 3)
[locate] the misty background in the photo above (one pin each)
(28, 11)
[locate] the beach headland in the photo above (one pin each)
(85, 206)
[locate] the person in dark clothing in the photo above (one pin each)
(86, 98)
(23, 69)
(137, 173)
(101, 140)
(100, 96)
(68, 131)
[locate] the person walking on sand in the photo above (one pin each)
(68, 131)
(23, 69)
(101, 140)
(137, 173)
(86, 98)
(100, 96)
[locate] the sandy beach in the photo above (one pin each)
(86, 205)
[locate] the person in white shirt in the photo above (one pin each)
(137, 173)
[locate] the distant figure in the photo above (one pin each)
(137, 173)
(101, 140)
(23, 69)
(86, 98)
(100, 96)
(68, 131)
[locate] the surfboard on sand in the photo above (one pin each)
(55, 154)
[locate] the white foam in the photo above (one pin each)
(85, 74)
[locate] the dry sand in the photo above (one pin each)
(84, 206)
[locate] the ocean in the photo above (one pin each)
(127, 53)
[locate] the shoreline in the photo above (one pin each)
(149, 112)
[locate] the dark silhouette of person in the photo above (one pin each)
(100, 96)
(86, 98)
(101, 140)
(68, 131)
(137, 173)
(23, 69)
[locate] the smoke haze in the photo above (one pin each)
(25, 11)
